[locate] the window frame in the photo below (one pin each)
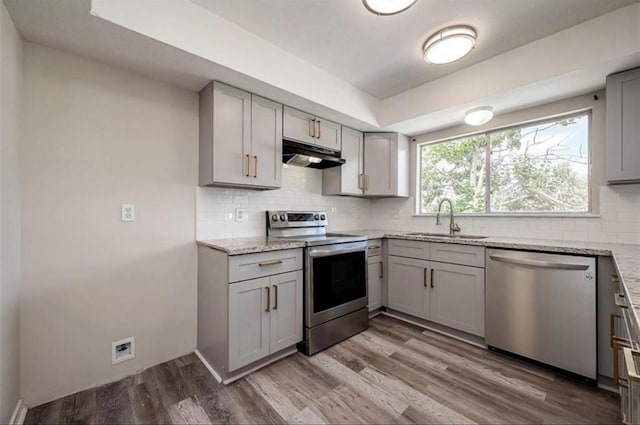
(588, 112)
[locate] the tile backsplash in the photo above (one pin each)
(301, 190)
(619, 219)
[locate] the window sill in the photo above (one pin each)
(511, 215)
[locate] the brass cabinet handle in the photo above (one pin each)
(617, 379)
(270, 263)
(255, 173)
(424, 277)
(266, 288)
(316, 129)
(612, 328)
(381, 266)
(312, 128)
(432, 280)
(615, 279)
(319, 134)
(620, 300)
(628, 355)
(360, 182)
(248, 165)
(275, 306)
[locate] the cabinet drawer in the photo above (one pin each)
(466, 255)
(374, 248)
(251, 266)
(410, 249)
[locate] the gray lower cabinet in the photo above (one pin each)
(408, 286)
(457, 297)
(623, 127)
(249, 322)
(265, 316)
(374, 281)
(441, 292)
(250, 308)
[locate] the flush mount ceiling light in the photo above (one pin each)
(387, 7)
(478, 116)
(449, 44)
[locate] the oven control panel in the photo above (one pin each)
(277, 219)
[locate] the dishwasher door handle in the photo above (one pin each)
(540, 264)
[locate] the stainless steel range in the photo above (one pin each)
(335, 288)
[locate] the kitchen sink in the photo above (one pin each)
(443, 235)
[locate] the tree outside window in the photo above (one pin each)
(537, 168)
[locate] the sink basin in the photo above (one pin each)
(443, 235)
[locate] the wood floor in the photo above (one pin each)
(392, 373)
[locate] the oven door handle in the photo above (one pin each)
(318, 252)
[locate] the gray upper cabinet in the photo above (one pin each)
(348, 178)
(329, 134)
(240, 138)
(386, 165)
(266, 142)
(377, 165)
(306, 128)
(623, 127)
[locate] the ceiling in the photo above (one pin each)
(382, 54)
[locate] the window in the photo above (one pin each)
(535, 168)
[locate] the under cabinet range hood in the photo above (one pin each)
(301, 155)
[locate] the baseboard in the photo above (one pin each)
(209, 367)
(472, 340)
(19, 414)
(252, 369)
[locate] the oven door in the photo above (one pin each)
(336, 281)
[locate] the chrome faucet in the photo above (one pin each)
(453, 227)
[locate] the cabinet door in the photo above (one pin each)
(380, 164)
(623, 127)
(457, 297)
(248, 322)
(286, 310)
(231, 135)
(408, 282)
(374, 281)
(266, 142)
(347, 179)
(298, 126)
(329, 134)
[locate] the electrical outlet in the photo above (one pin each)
(123, 350)
(128, 212)
(241, 214)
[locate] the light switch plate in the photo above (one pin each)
(241, 214)
(128, 212)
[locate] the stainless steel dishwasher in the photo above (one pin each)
(543, 307)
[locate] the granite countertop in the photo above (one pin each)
(565, 247)
(238, 246)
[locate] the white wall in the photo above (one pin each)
(94, 137)
(616, 208)
(10, 88)
(301, 190)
